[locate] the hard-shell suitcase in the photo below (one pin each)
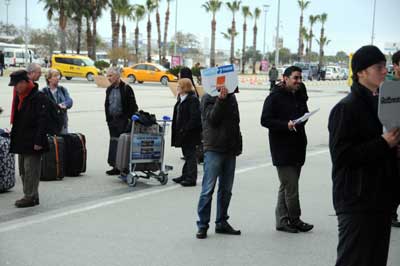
(122, 157)
(75, 154)
(52, 162)
(7, 164)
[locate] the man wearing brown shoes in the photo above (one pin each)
(28, 134)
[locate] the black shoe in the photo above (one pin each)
(177, 179)
(26, 202)
(302, 226)
(187, 183)
(113, 171)
(395, 223)
(201, 233)
(225, 228)
(285, 226)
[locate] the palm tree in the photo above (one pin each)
(233, 6)
(307, 37)
(150, 6)
(158, 21)
(127, 11)
(229, 34)
(96, 7)
(322, 42)
(257, 13)
(303, 5)
(78, 11)
(212, 6)
(139, 13)
(322, 39)
(164, 50)
(246, 13)
(312, 20)
(62, 7)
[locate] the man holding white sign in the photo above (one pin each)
(366, 182)
(288, 142)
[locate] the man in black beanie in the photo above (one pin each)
(364, 174)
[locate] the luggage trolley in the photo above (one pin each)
(146, 156)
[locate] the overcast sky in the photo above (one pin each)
(349, 23)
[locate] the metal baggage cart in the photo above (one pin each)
(147, 150)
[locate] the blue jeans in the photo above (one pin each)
(222, 166)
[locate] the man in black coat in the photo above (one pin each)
(1, 63)
(186, 130)
(119, 106)
(28, 134)
(364, 171)
(288, 144)
(222, 141)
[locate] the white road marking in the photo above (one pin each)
(41, 218)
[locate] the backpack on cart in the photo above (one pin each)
(52, 162)
(75, 154)
(7, 163)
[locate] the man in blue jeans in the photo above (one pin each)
(222, 142)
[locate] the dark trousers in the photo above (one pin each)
(29, 170)
(272, 84)
(288, 205)
(189, 170)
(363, 239)
(116, 127)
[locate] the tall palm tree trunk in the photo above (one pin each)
(212, 51)
(124, 41)
(137, 42)
(321, 47)
(244, 46)
(301, 44)
(94, 24)
(148, 40)
(158, 20)
(63, 34)
(255, 48)
(164, 50)
(232, 56)
(89, 35)
(79, 32)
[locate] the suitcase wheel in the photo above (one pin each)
(131, 180)
(163, 178)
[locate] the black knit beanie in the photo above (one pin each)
(365, 57)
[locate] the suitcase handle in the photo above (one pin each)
(83, 151)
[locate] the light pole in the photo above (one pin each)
(176, 24)
(7, 2)
(265, 25)
(26, 31)
(277, 35)
(373, 24)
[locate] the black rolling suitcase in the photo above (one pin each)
(52, 162)
(75, 154)
(7, 163)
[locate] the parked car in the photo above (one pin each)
(148, 72)
(74, 66)
(344, 74)
(331, 73)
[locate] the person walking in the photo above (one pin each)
(273, 76)
(186, 130)
(120, 105)
(28, 134)
(59, 96)
(288, 142)
(222, 142)
(2, 65)
(365, 177)
(34, 72)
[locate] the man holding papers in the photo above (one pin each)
(288, 142)
(366, 181)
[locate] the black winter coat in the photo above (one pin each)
(220, 120)
(129, 106)
(186, 123)
(30, 124)
(364, 173)
(288, 148)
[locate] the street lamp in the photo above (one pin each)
(373, 24)
(277, 35)
(7, 2)
(265, 24)
(26, 31)
(176, 24)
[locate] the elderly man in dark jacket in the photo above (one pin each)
(364, 174)
(186, 130)
(288, 144)
(119, 106)
(28, 134)
(222, 143)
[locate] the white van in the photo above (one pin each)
(16, 56)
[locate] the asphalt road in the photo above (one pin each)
(95, 219)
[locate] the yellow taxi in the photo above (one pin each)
(71, 66)
(148, 72)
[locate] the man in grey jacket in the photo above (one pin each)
(222, 143)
